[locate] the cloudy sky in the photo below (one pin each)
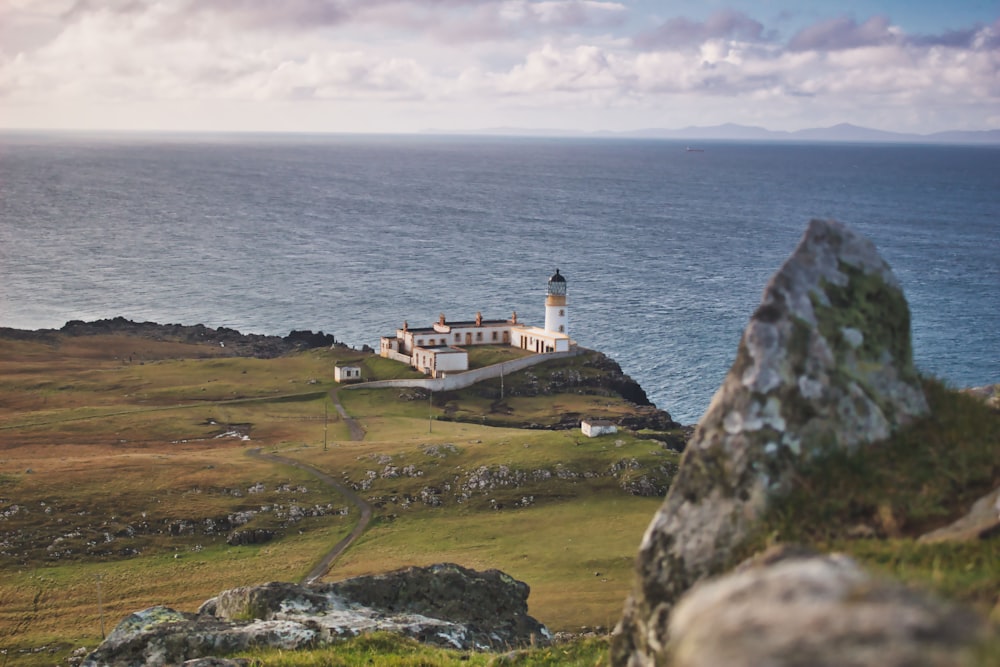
(410, 65)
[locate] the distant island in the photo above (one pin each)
(843, 132)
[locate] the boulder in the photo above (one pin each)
(824, 364)
(162, 636)
(982, 521)
(792, 609)
(250, 536)
(491, 605)
(444, 604)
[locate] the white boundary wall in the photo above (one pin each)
(468, 378)
(397, 356)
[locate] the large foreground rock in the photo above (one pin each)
(443, 604)
(825, 363)
(821, 611)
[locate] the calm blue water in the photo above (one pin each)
(666, 252)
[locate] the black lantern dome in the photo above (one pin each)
(557, 284)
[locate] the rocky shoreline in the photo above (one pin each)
(235, 343)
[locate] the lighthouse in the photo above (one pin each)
(555, 305)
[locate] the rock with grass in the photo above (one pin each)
(163, 636)
(445, 605)
(825, 364)
(981, 522)
(789, 608)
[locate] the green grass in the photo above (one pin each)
(393, 651)
(967, 571)
(378, 368)
(577, 555)
(487, 355)
(67, 614)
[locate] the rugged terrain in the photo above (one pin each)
(124, 476)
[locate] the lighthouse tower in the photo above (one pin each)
(555, 305)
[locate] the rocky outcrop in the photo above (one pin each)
(162, 636)
(825, 364)
(592, 372)
(234, 343)
(790, 609)
(443, 604)
(588, 372)
(251, 536)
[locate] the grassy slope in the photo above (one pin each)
(114, 439)
(112, 442)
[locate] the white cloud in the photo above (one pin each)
(434, 57)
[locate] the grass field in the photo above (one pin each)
(123, 466)
(124, 472)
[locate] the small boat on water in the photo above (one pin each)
(695, 150)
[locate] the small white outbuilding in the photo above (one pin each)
(347, 373)
(595, 427)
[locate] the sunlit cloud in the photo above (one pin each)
(477, 58)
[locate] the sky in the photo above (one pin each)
(405, 66)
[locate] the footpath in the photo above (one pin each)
(357, 433)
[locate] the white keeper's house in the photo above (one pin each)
(439, 349)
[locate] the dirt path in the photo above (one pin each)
(357, 432)
(323, 566)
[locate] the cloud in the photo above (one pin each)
(506, 19)
(549, 69)
(844, 33)
(565, 13)
(978, 37)
(445, 17)
(681, 32)
(426, 57)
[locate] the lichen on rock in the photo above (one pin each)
(824, 364)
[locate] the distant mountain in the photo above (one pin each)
(844, 132)
(512, 132)
(848, 132)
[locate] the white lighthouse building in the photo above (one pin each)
(555, 304)
(438, 349)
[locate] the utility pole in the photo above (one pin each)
(100, 604)
(430, 411)
(326, 419)
(501, 380)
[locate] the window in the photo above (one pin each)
(458, 338)
(562, 312)
(479, 335)
(494, 335)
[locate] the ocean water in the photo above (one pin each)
(666, 252)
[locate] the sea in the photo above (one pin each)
(665, 250)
